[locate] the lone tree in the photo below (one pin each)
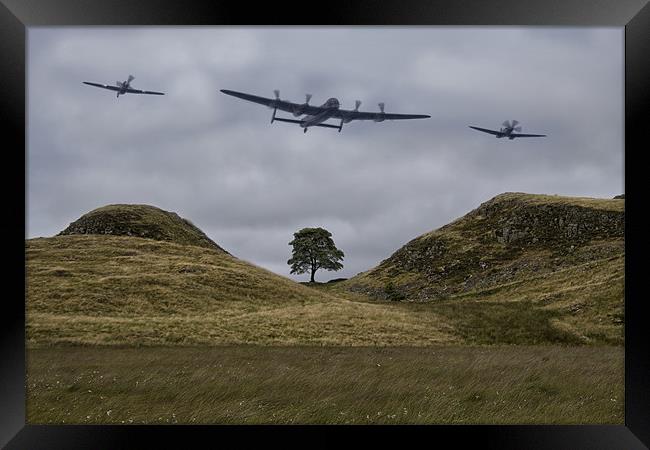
(313, 249)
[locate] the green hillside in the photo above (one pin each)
(552, 254)
(135, 316)
(115, 290)
(520, 269)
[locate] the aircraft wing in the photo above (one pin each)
(527, 135)
(361, 115)
(138, 91)
(485, 130)
(104, 86)
(282, 105)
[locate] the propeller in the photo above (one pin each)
(307, 98)
(517, 129)
(506, 124)
(277, 94)
(131, 78)
(118, 83)
(381, 107)
(357, 103)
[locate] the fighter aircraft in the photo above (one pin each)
(315, 116)
(507, 131)
(123, 87)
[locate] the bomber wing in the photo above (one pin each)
(282, 105)
(138, 91)
(527, 135)
(485, 130)
(104, 86)
(378, 116)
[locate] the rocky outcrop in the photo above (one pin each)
(507, 238)
(512, 220)
(142, 221)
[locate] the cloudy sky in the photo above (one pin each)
(249, 184)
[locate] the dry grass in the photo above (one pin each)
(91, 299)
(290, 385)
(105, 290)
(580, 304)
(585, 299)
(128, 276)
(562, 272)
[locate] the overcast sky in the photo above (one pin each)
(249, 184)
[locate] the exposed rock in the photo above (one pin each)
(508, 237)
(141, 221)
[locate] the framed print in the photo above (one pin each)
(407, 220)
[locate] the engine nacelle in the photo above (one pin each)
(300, 110)
(381, 116)
(349, 119)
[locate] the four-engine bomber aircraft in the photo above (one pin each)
(315, 116)
(507, 131)
(123, 87)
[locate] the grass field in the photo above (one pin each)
(110, 290)
(462, 325)
(334, 385)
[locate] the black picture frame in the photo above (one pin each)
(16, 15)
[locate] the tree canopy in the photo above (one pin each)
(313, 249)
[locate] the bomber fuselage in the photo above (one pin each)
(329, 107)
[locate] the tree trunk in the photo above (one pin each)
(313, 271)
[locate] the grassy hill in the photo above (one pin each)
(549, 256)
(127, 276)
(116, 290)
(520, 269)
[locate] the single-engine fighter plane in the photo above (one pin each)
(123, 87)
(315, 116)
(507, 131)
